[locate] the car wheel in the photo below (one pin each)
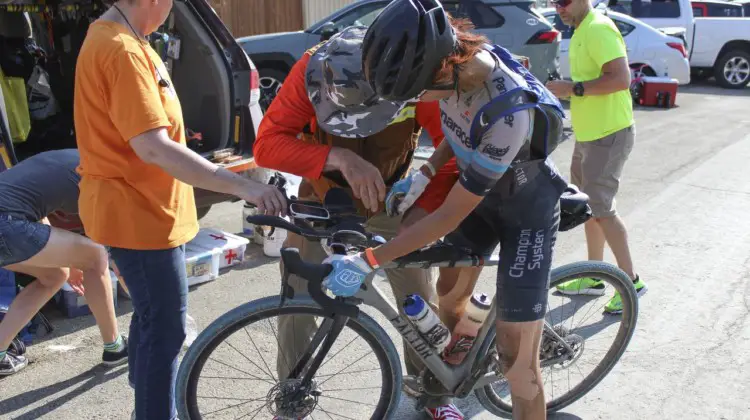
(732, 71)
(270, 83)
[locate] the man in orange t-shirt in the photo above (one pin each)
(136, 188)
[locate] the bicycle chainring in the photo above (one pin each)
(289, 400)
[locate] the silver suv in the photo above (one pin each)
(513, 24)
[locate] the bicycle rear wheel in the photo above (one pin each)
(215, 379)
(562, 316)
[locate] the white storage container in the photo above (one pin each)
(231, 247)
(202, 265)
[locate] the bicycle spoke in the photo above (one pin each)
(346, 367)
(344, 399)
(283, 355)
(258, 412)
(261, 354)
(231, 406)
(240, 370)
(348, 373)
(233, 378)
(335, 414)
(248, 359)
(587, 313)
(351, 389)
(336, 354)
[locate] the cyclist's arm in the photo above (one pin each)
(491, 160)
(428, 116)
(277, 145)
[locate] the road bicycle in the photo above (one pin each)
(214, 379)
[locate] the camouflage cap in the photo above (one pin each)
(345, 104)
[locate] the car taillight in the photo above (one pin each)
(254, 86)
(544, 37)
(679, 47)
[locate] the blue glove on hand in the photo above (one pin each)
(349, 272)
(404, 193)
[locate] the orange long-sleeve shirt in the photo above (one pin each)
(278, 147)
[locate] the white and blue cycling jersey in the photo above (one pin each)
(483, 163)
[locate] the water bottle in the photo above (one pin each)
(467, 329)
(191, 331)
(429, 325)
(248, 229)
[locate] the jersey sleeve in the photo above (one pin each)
(606, 44)
(496, 151)
(277, 145)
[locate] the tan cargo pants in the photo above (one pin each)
(295, 332)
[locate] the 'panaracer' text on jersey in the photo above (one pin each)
(484, 161)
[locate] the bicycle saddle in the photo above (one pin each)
(573, 200)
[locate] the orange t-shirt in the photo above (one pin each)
(125, 202)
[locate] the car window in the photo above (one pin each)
(646, 8)
(565, 30)
(698, 11)
(364, 15)
(624, 28)
(481, 15)
(725, 11)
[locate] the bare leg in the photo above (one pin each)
(31, 299)
(455, 287)
(614, 231)
(66, 249)
(594, 240)
(518, 347)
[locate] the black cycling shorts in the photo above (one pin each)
(524, 223)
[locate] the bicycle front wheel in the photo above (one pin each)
(597, 339)
(232, 369)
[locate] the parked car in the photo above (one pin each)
(745, 6)
(513, 24)
(216, 82)
(716, 8)
(650, 51)
(717, 46)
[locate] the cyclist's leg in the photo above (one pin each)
(528, 223)
(295, 332)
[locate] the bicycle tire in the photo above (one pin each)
(496, 406)
(224, 326)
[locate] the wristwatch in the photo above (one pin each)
(578, 89)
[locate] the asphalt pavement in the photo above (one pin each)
(685, 197)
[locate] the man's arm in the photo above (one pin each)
(615, 77)
(277, 145)
(156, 148)
(428, 116)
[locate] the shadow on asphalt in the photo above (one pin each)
(563, 416)
(74, 386)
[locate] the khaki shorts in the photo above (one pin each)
(597, 167)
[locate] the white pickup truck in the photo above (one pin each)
(717, 46)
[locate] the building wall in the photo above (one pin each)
(253, 17)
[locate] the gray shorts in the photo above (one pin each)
(20, 239)
(597, 166)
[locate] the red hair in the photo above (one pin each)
(469, 45)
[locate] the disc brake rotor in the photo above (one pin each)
(288, 400)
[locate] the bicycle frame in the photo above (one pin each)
(460, 379)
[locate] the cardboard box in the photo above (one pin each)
(231, 247)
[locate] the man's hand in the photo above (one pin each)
(364, 178)
(268, 198)
(349, 272)
(561, 88)
(75, 280)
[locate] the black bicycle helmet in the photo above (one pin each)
(404, 46)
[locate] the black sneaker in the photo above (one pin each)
(17, 347)
(116, 358)
(11, 364)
